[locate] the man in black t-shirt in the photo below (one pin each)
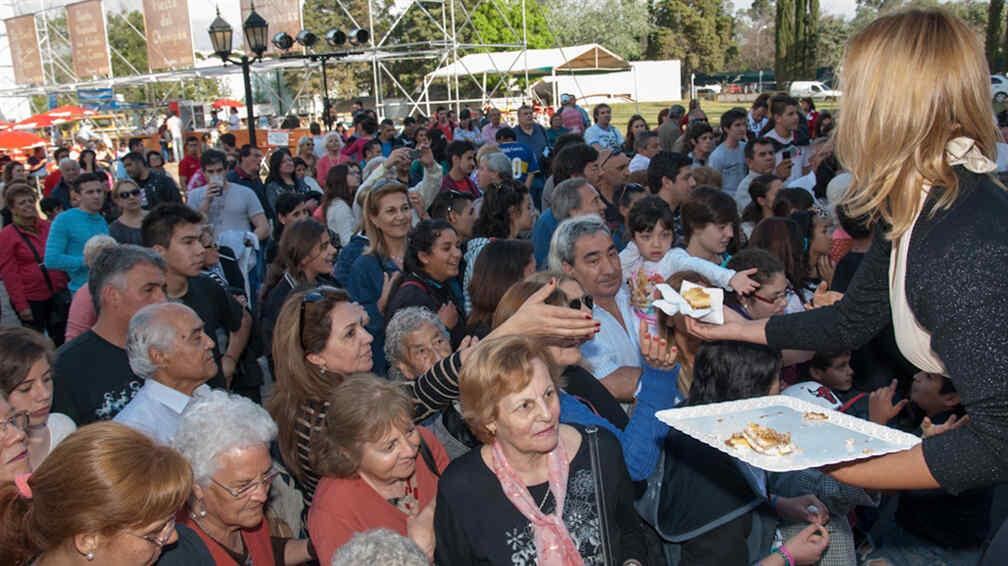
(157, 188)
(92, 380)
(173, 230)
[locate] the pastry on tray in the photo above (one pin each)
(762, 440)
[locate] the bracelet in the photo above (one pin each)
(788, 558)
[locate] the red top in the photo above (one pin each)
(19, 270)
(188, 167)
(463, 186)
(257, 544)
(51, 180)
(343, 507)
(354, 151)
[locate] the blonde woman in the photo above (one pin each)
(127, 195)
(919, 142)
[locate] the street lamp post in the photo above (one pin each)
(256, 31)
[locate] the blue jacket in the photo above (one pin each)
(347, 256)
(365, 285)
(542, 233)
(643, 436)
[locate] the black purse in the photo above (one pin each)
(59, 309)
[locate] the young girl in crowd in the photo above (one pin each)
(650, 258)
(763, 193)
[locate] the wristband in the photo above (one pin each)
(788, 558)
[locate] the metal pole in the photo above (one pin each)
(326, 117)
(250, 114)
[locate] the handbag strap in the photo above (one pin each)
(593, 455)
(428, 457)
(38, 259)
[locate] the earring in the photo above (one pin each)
(198, 514)
(89, 556)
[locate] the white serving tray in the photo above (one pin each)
(841, 438)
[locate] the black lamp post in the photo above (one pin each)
(256, 31)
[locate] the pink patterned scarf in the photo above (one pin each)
(554, 546)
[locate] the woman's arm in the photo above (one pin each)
(899, 470)
(451, 545)
(9, 271)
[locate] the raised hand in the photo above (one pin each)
(658, 353)
(881, 409)
(742, 282)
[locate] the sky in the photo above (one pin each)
(843, 8)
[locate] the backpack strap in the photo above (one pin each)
(850, 402)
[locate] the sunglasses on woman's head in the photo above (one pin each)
(314, 296)
(586, 301)
(128, 194)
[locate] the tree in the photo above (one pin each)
(621, 26)
(992, 41)
(700, 33)
(796, 39)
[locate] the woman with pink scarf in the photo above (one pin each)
(537, 491)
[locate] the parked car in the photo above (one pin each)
(999, 88)
(813, 89)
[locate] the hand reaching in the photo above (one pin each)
(536, 318)
(826, 269)
(387, 282)
(930, 429)
(448, 315)
(823, 297)
(420, 529)
(807, 546)
(802, 509)
(658, 353)
(742, 283)
(881, 409)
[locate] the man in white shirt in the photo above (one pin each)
(226, 205)
(602, 135)
(582, 247)
(646, 146)
(174, 125)
(168, 348)
(803, 159)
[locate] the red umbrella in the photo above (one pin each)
(35, 122)
(69, 112)
(19, 140)
(226, 103)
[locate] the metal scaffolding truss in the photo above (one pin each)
(453, 20)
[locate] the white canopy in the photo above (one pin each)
(590, 57)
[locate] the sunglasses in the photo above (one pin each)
(586, 301)
(127, 194)
(314, 296)
(782, 298)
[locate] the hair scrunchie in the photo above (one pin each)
(21, 481)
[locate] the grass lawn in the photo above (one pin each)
(714, 110)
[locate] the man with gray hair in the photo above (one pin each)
(573, 197)
(168, 348)
(583, 248)
(69, 171)
(493, 168)
(92, 379)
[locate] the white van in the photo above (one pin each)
(813, 89)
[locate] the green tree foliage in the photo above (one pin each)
(995, 27)
(500, 23)
(700, 33)
(796, 38)
(621, 26)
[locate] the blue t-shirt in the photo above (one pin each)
(523, 161)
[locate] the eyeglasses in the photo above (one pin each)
(627, 188)
(162, 537)
(586, 301)
(781, 298)
(128, 194)
(17, 420)
(247, 489)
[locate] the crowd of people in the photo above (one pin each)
(438, 341)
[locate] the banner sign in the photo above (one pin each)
(88, 43)
(282, 15)
(169, 41)
(26, 56)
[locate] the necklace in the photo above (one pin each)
(545, 499)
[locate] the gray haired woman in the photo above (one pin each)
(415, 339)
(226, 440)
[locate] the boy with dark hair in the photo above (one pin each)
(157, 187)
(173, 230)
(461, 157)
(757, 119)
(190, 163)
(784, 111)
(524, 164)
(729, 157)
(670, 176)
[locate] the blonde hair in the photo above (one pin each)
(912, 81)
(497, 368)
(361, 409)
(376, 237)
(104, 478)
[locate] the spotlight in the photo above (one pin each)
(283, 41)
(335, 37)
(306, 38)
(359, 36)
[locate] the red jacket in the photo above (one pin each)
(19, 270)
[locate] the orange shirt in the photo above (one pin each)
(343, 507)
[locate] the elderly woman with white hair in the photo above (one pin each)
(226, 440)
(82, 314)
(415, 339)
(333, 145)
(494, 167)
(379, 546)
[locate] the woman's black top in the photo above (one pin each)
(958, 292)
(580, 383)
(417, 290)
(475, 523)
